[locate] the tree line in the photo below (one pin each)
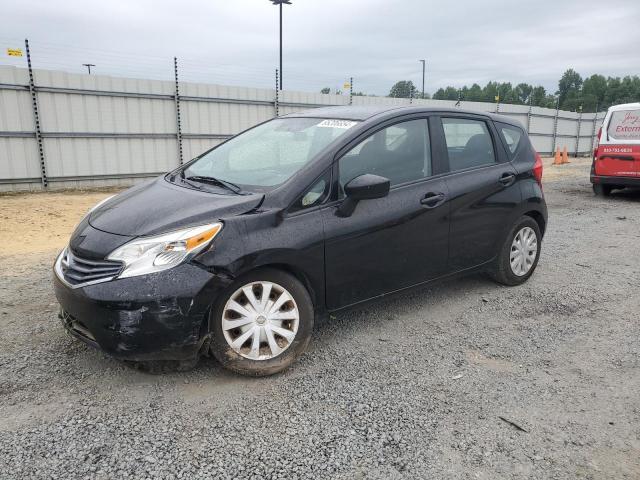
(594, 93)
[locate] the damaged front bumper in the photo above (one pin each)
(161, 316)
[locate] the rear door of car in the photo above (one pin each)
(482, 189)
(618, 153)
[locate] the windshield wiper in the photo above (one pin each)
(213, 181)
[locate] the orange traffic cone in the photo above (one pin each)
(565, 155)
(557, 160)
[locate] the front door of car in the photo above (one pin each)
(483, 191)
(393, 242)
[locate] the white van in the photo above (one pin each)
(616, 158)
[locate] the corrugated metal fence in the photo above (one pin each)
(65, 130)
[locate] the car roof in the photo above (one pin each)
(366, 112)
(625, 106)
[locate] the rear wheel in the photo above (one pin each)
(602, 190)
(262, 324)
(519, 255)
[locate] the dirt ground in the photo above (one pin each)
(463, 379)
(42, 222)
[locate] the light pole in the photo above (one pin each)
(423, 70)
(280, 2)
(88, 65)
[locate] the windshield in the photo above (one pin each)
(269, 154)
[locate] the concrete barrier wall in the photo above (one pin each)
(100, 131)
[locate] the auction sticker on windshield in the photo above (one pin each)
(332, 123)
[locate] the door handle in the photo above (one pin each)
(507, 179)
(432, 199)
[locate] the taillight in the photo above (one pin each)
(597, 144)
(537, 169)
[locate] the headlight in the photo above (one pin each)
(154, 254)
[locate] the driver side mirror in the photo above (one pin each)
(363, 187)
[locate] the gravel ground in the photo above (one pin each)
(464, 379)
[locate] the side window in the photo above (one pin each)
(314, 195)
(511, 136)
(469, 143)
(400, 152)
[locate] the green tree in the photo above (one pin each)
(325, 90)
(594, 89)
(507, 93)
(522, 92)
(569, 88)
(629, 90)
(439, 95)
(538, 96)
(594, 92)
(403, 89)
(474, 94)
(451, 93)
(490, 92)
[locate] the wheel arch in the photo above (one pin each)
(299, 274)
(539, 219)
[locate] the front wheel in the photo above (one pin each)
(262, 324)
(519, 255)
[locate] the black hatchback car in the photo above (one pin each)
(237, 251)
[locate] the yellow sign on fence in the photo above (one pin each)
(346, 85)
(14, 52)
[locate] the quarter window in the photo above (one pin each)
(314, 195)
(400, 152)
(469, 143)
(512, 137)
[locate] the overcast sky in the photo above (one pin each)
(326, 41)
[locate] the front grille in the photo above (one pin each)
(79, 271)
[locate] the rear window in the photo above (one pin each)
(512, 137)
(625, 125)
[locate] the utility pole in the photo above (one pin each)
(423, 71)
(88, 65)
(279, 3)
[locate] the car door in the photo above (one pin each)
(393, 242)
(482, 189)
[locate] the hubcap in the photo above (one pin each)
(260, 320)
(523, 251)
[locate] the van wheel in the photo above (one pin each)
(519, 255)
(262, 323)
(602, 190)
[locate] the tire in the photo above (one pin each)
(229, 325)
(602, 190)
(503, 271)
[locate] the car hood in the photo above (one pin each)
(158, 206)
